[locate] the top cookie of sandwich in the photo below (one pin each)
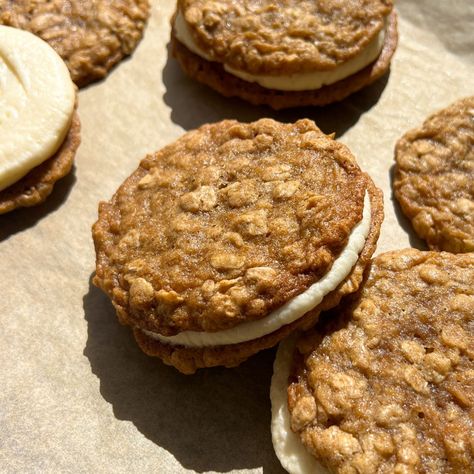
(275, 37)
(434, 178)
(226, 224)
(90, 35)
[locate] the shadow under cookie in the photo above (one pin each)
(405, 224)
(193, 104)
(217, 420)
(22, 219)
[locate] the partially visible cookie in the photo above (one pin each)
(434, 178)
(38, 184)
(90, 35)
(285, 55)
(39, 124)
(386, 383)
(225, 241)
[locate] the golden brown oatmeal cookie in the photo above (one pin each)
(227, 224)
(38, 184)
(434, 178)
(387, 385)
(189, 359)
(284, 37)
(276, 58)
(90, 35)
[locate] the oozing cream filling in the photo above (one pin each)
(287, 445)
(290, 311)
(36, 103)
(290, 82)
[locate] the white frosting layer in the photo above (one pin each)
(36, 103)
(292, 82)
(290, 311)
(288, 447)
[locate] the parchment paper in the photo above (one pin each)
(76, 393)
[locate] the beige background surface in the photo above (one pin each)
(76, 394)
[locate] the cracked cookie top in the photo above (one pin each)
(226, 224)
(388, 384)
(434, 178)
(284, 36)
(90, 35)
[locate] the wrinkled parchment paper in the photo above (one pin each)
(76, 393)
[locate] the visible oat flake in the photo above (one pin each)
(414, 401)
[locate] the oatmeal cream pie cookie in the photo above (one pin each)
(385, 384)
(434, 178)
(285, 53)
(227, 240)
(39, 127)
(90, 35)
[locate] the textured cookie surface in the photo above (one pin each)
(388, 385)
(214, 75)
(90, 35)
(189, 359)
(226, 224)
(38, 184)
(284, 36)
(434, 178)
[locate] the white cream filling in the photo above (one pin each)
(36, 103)
(288, 447)
(290, 311)
(290, 82)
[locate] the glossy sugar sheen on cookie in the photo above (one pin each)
(36, 103)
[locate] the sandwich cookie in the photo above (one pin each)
(434, 178)
(385, 382)
(224, 242)
(90, 35)
(39, 127)
(285, 54)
